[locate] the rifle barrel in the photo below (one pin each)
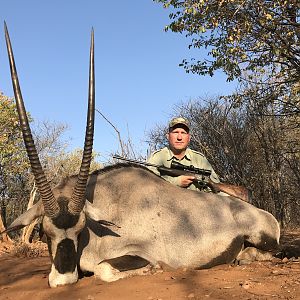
(138, 162)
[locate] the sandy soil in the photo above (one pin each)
(26, 278)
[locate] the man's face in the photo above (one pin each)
(179, 139)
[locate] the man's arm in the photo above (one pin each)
(157, 158)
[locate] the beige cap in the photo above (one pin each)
(179, 120)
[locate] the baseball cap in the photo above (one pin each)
(179, 120)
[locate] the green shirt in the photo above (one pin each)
(165, 156)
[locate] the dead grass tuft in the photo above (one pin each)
(36, 249)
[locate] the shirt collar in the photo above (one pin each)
(187, 154)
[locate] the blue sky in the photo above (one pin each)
(138, 80)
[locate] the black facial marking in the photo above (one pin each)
(64, 220)
(49, 248)
(65, 259)
(228, 255)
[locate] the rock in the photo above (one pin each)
(245, 285)
(191, 295)
(285, 260)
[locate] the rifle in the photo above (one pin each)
(202, 177)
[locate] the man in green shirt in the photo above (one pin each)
(178, 150)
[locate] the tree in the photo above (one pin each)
(16, 180)
(244, 38)
(277, 136)
(247, 148)
(68, 164)
(127, 147)
(13, 158)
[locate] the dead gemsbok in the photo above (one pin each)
(122, 218)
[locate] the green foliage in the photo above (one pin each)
(68, 164)
(240, 36)
(12, 151)
(13, 157)
(16, 180)
(14, 165)
(254, 41)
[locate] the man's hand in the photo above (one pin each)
(186, 180)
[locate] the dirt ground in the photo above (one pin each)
(26, 278)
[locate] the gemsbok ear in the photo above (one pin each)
(93, 212)
(96, 215)
(37, 210)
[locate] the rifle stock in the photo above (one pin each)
(216, 187)
(236, 191)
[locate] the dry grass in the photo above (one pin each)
(36, 249)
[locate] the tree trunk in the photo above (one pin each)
(27, 231)
(4, 237)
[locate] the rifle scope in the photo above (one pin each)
(191, 168)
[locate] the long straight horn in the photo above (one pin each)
(78, 197)
(50, 204)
